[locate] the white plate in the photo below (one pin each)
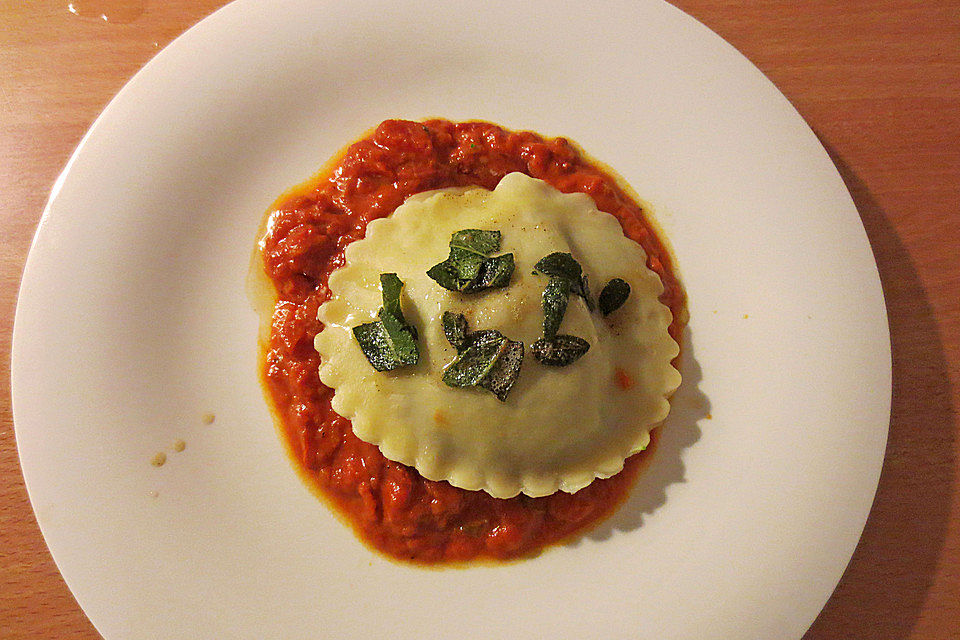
(133, 322)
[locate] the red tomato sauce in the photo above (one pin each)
(390, 505)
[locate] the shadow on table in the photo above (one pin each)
(688, 407)
(884, 587)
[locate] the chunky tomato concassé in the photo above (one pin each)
(390, 505)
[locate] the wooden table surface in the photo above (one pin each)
(878, 81)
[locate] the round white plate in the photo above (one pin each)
(133, 322)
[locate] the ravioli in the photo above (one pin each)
(560, 427)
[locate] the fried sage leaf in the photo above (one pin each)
(505, 371)
(486, 358)
(554, 302)
(566, 277)
(390, 288)
(383, 352)
(560, 351)
(495, 272)
(455, 329)
(391, 342)
(447, 276)
(477, 241)
(402, 336)
(469, 268)
(559, 264)
(614, 294)
(563, 265)
(582, 289)
(475, 362)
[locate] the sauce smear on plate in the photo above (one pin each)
(390, 505)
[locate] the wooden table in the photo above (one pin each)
(879, 82)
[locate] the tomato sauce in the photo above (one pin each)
(390, 505)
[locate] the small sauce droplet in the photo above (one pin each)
(111, 11)
(159, 459)
(152, 494)
(208, 418)
(623, 380)
(179, 445)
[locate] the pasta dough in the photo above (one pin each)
(560, 427)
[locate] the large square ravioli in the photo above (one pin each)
(561, 427)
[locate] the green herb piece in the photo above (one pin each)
(402, 336)
(447, 276)
(485, 358)
(464, 264)
(494, 273)
(475, 362)
(560, 351)
(566, 277)
(505, 371)
(554, 302)
(455, 329)
(614, 294)
(559, 264)
(390, 287)
(389, 343)
(477, 241)
(469, 267)
(385, 352)
(563, 265)
(583, 290)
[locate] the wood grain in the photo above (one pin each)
(879, 82)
